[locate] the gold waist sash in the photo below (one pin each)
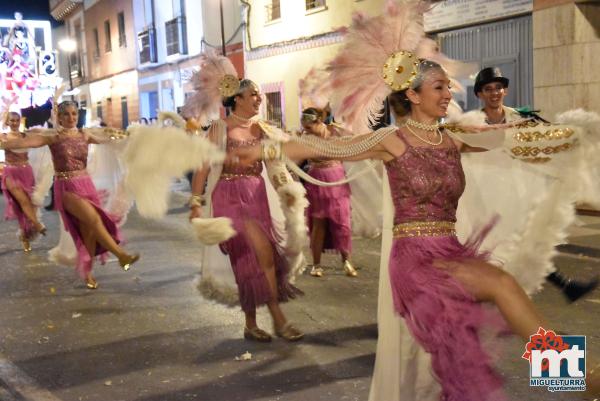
(65, 175)
(17, 164)
(231, 176)
(424, 229)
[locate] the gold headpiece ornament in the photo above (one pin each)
(229, 85)
(400, 69)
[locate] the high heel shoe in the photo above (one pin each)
(257, 334)
(316, 271)
(91, 284)
(349, 269)
(128, 260)
(26, 244)
(289, 332)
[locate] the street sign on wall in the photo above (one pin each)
(455, 13)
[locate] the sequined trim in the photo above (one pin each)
(532, 123)
(229, 177)
(17, 164)
(552, 134)
(527, 151)
(65, 175)
(424, 229)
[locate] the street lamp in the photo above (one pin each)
(68, 45)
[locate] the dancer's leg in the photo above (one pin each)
(24, 203)
(89, 240)
(317, 239)
(263, 249)
(90, 220)
(489, 283)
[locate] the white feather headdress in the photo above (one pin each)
(216, 78)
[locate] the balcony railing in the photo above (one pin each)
(62, 8)
(147, 46)
(176, 36)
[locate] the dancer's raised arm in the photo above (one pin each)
(34, 141)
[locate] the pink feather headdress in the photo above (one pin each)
(216, 79)
(379, 55)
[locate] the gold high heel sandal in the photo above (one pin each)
(316, 271)
(349, 269)
(91, 284)
(25, 244)
(128, 260)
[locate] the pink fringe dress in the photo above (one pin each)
(330, 203)
(19, 171)
(426, 184)
(69, 156)
(241, 195)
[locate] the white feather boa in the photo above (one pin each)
(154, 156)
(213, 231)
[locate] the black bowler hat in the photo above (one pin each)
(487, 75)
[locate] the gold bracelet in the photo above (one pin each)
(196, 201)
(271, 150)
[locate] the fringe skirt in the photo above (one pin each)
(333, 205)
(83, 187)
(443, 317)
(22, 177)
(244, 200)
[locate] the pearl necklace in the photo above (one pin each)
(423, 126)
(244, 122)
(427, 140)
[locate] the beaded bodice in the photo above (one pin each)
(15, 157)
(254, 169)
(426, 182)
(69, 152)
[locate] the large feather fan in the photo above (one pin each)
(205, 103)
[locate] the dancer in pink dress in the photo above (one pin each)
(94, 231)
(259, 265)
(438, 284)
(329, 207)
(17, 185)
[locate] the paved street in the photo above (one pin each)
(147, 335)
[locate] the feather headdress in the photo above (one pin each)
(216, 79)
(58, 91)
(380, 55)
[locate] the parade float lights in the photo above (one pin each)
(28, 70)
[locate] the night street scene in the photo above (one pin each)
(291, 200)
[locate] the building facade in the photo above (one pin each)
(170, 38)
(285, 39)
(566, 48)
(103, 67)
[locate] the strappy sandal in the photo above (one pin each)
(289, 332)
(257, 334)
